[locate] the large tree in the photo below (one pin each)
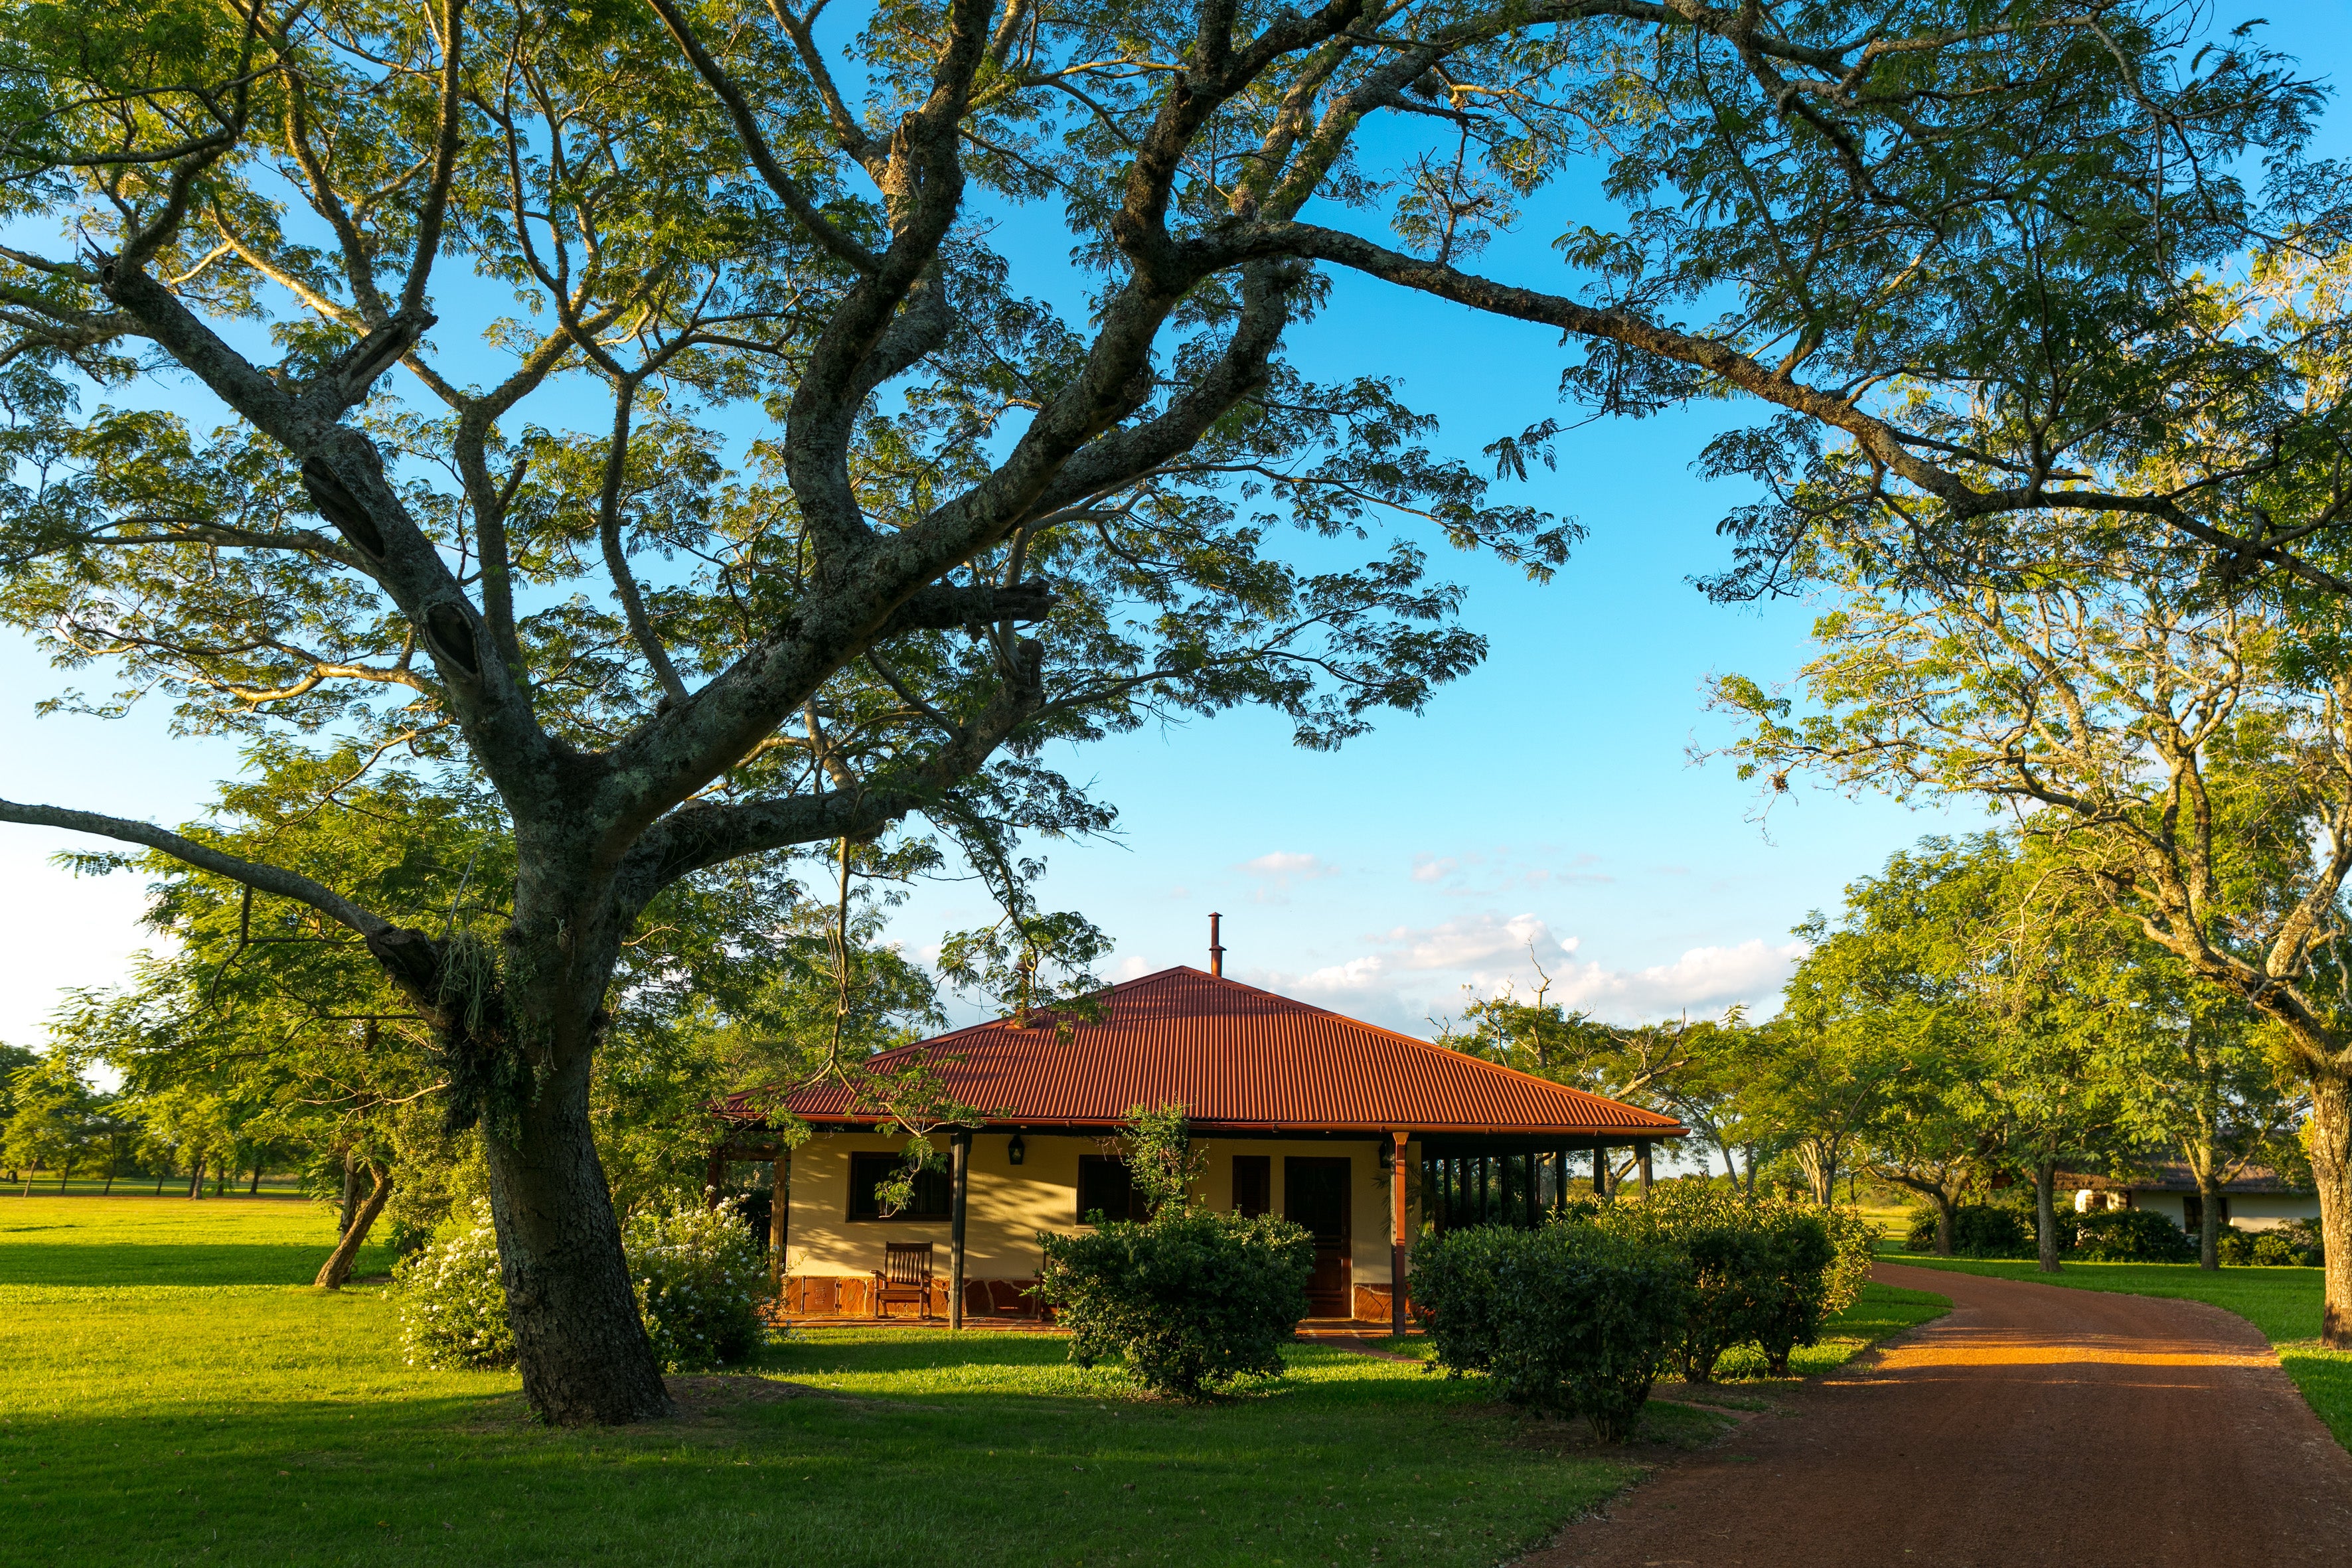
(532, 551)
(2182, 751)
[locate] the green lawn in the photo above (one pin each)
(2284, 1303)
(168, 1241)
(248, 1420)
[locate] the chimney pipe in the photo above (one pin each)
(1216, 949)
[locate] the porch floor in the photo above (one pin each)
(1311, 1328)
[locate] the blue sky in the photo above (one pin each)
(1547, 800)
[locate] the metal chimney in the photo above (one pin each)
(1216, 949)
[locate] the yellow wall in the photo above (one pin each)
(1006, 1205)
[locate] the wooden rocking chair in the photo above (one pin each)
(905, 1276)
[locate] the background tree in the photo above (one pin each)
(709, 211)
(2208, 1081)
(12, 1059)
(52, 1118)
(2183, 751)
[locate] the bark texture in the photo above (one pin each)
(2331, 1168)
(338, 1266)
(2045, 1214)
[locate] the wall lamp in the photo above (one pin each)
(1016, 1150)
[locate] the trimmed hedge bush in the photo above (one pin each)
(1981, 1231)
(1729, 1261)
(698, 1274)
(2130, 1236)
(2296, 1245)
(1570, 1319)
(1188, 1301)
(1457, 1291)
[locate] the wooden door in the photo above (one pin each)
(1315, 1195)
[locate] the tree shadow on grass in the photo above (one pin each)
(150, 1263)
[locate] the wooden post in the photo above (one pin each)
(1534, 1206)
(780, 1210)
(1642, 1158)
(960, 1153)
(1396, 1241)
(1601, 1170)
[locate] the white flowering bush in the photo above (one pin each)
(453, 1306)
(699, 1276)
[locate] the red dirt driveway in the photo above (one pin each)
(2033, 1427)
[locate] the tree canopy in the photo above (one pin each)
(637, 413)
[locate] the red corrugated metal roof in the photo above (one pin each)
(1236, 1057)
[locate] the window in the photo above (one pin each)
(1253, 1184)
(867, 1172)
(1104, 1185)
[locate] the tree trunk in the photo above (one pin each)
(2209, 1223)
(1947, 1222)
(351, 1193)
(2331, 1169)
(254, 1191)
(338, 1266)
(2045, 1214)
(196, 1180)
(579, 1342)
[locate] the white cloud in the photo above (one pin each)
(1415, 974)
(1277, 873)
(1496, 873)
(1703, 980)
(1469, 944)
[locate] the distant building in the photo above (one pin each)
(1359, 1133)
(2260, 1199)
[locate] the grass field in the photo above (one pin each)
(168, 1241)
(239, 1420)
(2284, 1303)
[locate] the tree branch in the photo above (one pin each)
(262, 878)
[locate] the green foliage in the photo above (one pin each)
(453, 1304)
(1457, 1288)
(1801, 1258)
(1188, 1302)
(1978, 1230)
(1161, 1157)
(1732, 1265)
(2297, 1244)
(1569, 1318)
(2129, 1235)
(699, 1276)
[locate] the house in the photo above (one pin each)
(2260, 1199)
(1298, 1111)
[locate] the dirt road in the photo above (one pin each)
(2033, 1427)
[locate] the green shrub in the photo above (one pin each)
(2130, 1236)
(1801, 1253)
(2234, 1246)
(1566, 1319)
(1189, 1302)
(453, 1306)
(1728, 1259)
(2296, 1245)
(1980, 1230)
(1457, 1291)
(699, 1275)
(1587, 1317)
